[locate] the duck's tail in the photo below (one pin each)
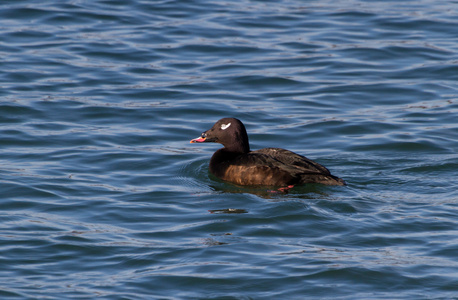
(326, 179)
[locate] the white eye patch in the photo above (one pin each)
(225, 126)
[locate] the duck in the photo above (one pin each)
(237, 164)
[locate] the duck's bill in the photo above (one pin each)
(198, 140)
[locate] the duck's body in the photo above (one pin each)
(267, 167)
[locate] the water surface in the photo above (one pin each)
(104, 197)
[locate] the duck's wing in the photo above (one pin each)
(289, 158)
(304, 170)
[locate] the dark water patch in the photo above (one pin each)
(266, 82)
(25, 12)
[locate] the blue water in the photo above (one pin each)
(102, 196)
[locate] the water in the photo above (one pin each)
(104, 197)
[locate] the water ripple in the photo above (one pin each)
(102, 194)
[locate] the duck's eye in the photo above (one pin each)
(204, 135)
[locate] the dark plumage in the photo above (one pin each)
(269, 166)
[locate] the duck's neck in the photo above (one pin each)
(241, 146)
(238, 148)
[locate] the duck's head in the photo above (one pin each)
(230, 132)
